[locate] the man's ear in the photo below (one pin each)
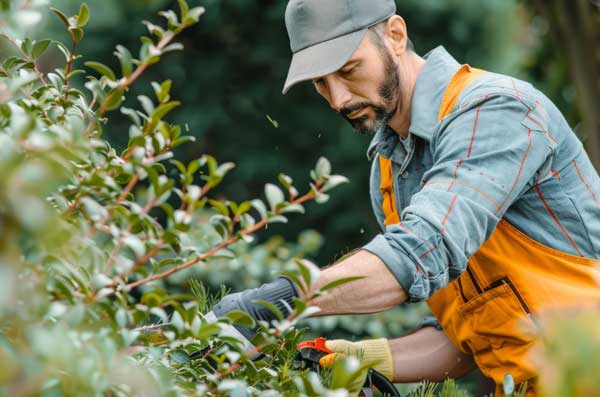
(395, 31)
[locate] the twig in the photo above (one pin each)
(209, 253)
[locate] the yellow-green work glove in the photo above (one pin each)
(372, 353)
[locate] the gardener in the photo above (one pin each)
(489, 206)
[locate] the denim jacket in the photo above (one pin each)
(505, 151)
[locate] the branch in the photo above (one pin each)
(35, 68)
(69, 65)
(208, 254)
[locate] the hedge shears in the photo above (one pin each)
(310, 353)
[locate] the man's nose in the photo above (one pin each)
(339, 96)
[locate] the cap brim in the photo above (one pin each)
(323, 58)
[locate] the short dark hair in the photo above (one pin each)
(376, 33)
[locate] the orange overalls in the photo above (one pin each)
(487, 311)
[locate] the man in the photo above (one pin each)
(489, 206)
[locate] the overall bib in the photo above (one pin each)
(487, 310)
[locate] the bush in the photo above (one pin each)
(92, 238)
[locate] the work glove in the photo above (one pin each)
(372, 353)
(280, 293)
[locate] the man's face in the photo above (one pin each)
(366, 90)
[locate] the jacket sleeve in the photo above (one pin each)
(485, 155)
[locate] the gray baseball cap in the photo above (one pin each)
(325, 33)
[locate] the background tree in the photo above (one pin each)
(574, 28)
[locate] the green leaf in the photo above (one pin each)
(62, 16)
(294, 277)
(274, 195)
(84, 15)
(320, 197)
(177, 321)
(193, 16)
(101, 280)
(77, 34)
(122, 318)
(208, 330)
(39, 47)
(259, 206)
(136, 245)
(219, 207)
(239, 317)
(285, 181)
(308, 270)
(171, 18)
(182, 140)
(183, 8)
(114, 99)
(179, 357)
(132, 115)
(172, 47)
(162, 90)
(163, 109)
(102, 69)
(223, 169)
(333, 181)
(341, 281)
(277, 219)
(323, 167)
(243, 207)
(63, 49)
(273, 122)
(146, 104)
(26, 46)
(293, 208)
(272, 308)
(224, 253)
(126, 60)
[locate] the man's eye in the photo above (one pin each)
(348, 72)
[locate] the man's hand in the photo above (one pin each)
(372, 353)
(279, 292)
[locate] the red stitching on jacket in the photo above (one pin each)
(448, 213)
(564, 231)
(585, 183)
(517, 92)
(458, 164)
(541, 126)
(424, 254)
(485, 196)
(519, 173)
(474, 129)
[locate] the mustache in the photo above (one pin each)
(354, 107)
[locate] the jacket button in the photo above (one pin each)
(404, 175)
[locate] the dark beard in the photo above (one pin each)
(389, 91)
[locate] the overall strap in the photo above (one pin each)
(461, 79)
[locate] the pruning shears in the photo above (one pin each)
(310, 352)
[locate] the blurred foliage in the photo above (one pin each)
(569, 355)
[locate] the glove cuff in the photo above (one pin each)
(280, 292)
(378, 352)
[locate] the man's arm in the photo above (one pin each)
(428, 354)
(378, 291)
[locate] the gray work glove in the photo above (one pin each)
(279, 292)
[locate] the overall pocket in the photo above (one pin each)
(500, 333)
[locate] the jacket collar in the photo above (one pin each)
(427, 97)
